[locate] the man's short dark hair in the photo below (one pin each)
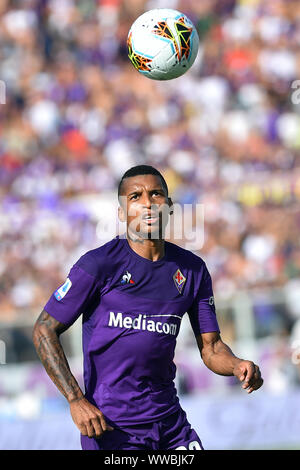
(142, 170)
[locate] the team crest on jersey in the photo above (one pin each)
(179, 280)
(126, 278)
(61, 292)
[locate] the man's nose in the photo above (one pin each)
(147, 200)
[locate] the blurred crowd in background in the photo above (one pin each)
(226, 135)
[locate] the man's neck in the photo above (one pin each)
(153, 250)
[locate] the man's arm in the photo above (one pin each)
(219, 358)
(89, 420)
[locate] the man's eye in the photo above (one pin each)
(134, 196)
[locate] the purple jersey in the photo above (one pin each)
(131, 313)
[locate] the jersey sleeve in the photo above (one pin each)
(202, 313)
(71, 299)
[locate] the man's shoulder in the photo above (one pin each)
(99, 261)
(186, 257)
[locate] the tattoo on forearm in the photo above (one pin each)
(52, 356)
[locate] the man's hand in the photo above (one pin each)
(249, 373)
(89, 419)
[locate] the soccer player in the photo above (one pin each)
(132, 293)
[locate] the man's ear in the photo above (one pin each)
(170, 204)
(121, 214)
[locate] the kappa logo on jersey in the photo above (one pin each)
(61, 292)
(179, 280)
(211, 301)
(126, 278)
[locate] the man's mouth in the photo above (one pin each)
(150, 218)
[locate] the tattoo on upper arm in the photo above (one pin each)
(51, 322)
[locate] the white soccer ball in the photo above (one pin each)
(162, 44)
